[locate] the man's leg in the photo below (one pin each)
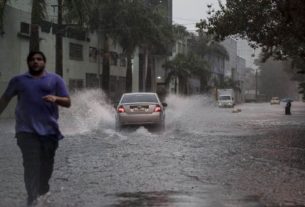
(49, 147)
(30, 147)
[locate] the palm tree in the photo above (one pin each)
(158, 41)
(131, 34)
(204, 47)
(199, 67)
(59, 41)
(99, 16)
(37, 15)
(178, 69)
(140, 27)
(103, 18)
(2, 8)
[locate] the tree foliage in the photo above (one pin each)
(195, 63)
(131, 23)
(139, 26)
(204, 45)
(277, 26)
(178, 68)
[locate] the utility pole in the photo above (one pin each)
(99, 53)
(59, 46)
(256, 85)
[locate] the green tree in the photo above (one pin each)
(204, 47)
(159, 40)
(2, 9)
(178, 69)
(200, 68)
(37, 15)
(134, 24)
(143, 27)
(101, 17)
(59, 40)
(277, 26)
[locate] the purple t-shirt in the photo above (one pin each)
(33, 114)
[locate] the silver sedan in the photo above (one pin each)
(140, 109)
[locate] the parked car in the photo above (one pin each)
(275, 100)
(140, 109)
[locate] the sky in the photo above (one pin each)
(188, 12)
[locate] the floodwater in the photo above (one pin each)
(207, 156)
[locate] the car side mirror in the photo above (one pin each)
(164, 104)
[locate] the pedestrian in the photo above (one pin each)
(287, 108)
(39, 93)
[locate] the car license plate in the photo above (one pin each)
(139, 108)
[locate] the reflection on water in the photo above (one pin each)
(182, 199)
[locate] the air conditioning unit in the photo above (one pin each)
(24, 30)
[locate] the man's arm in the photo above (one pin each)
(62, 101)
(3, 103)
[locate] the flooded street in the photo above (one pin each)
(207, 156)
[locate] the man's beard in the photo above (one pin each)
(36, 71)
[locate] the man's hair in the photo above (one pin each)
(32, 53)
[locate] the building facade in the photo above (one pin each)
(82, 61)
(235, 67)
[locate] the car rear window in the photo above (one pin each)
(224, 98)
(131, 98)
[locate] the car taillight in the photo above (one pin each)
(121, 109)
(158, 108)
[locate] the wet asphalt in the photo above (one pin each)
(207, 157)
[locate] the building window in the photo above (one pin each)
(92, 80)
(24, 28)
(174, 48)
(46, 26)
(76, 51)
(77, 34)
(75, 84)
(92, 54)
(114, 58)
(123, 61)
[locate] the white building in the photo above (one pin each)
(230, 65)
(235, 67)
(82, 60)
(81, 64)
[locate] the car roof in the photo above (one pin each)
(139, 93)
(135, 93)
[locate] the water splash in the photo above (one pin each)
(90, 110)
(189, 113)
